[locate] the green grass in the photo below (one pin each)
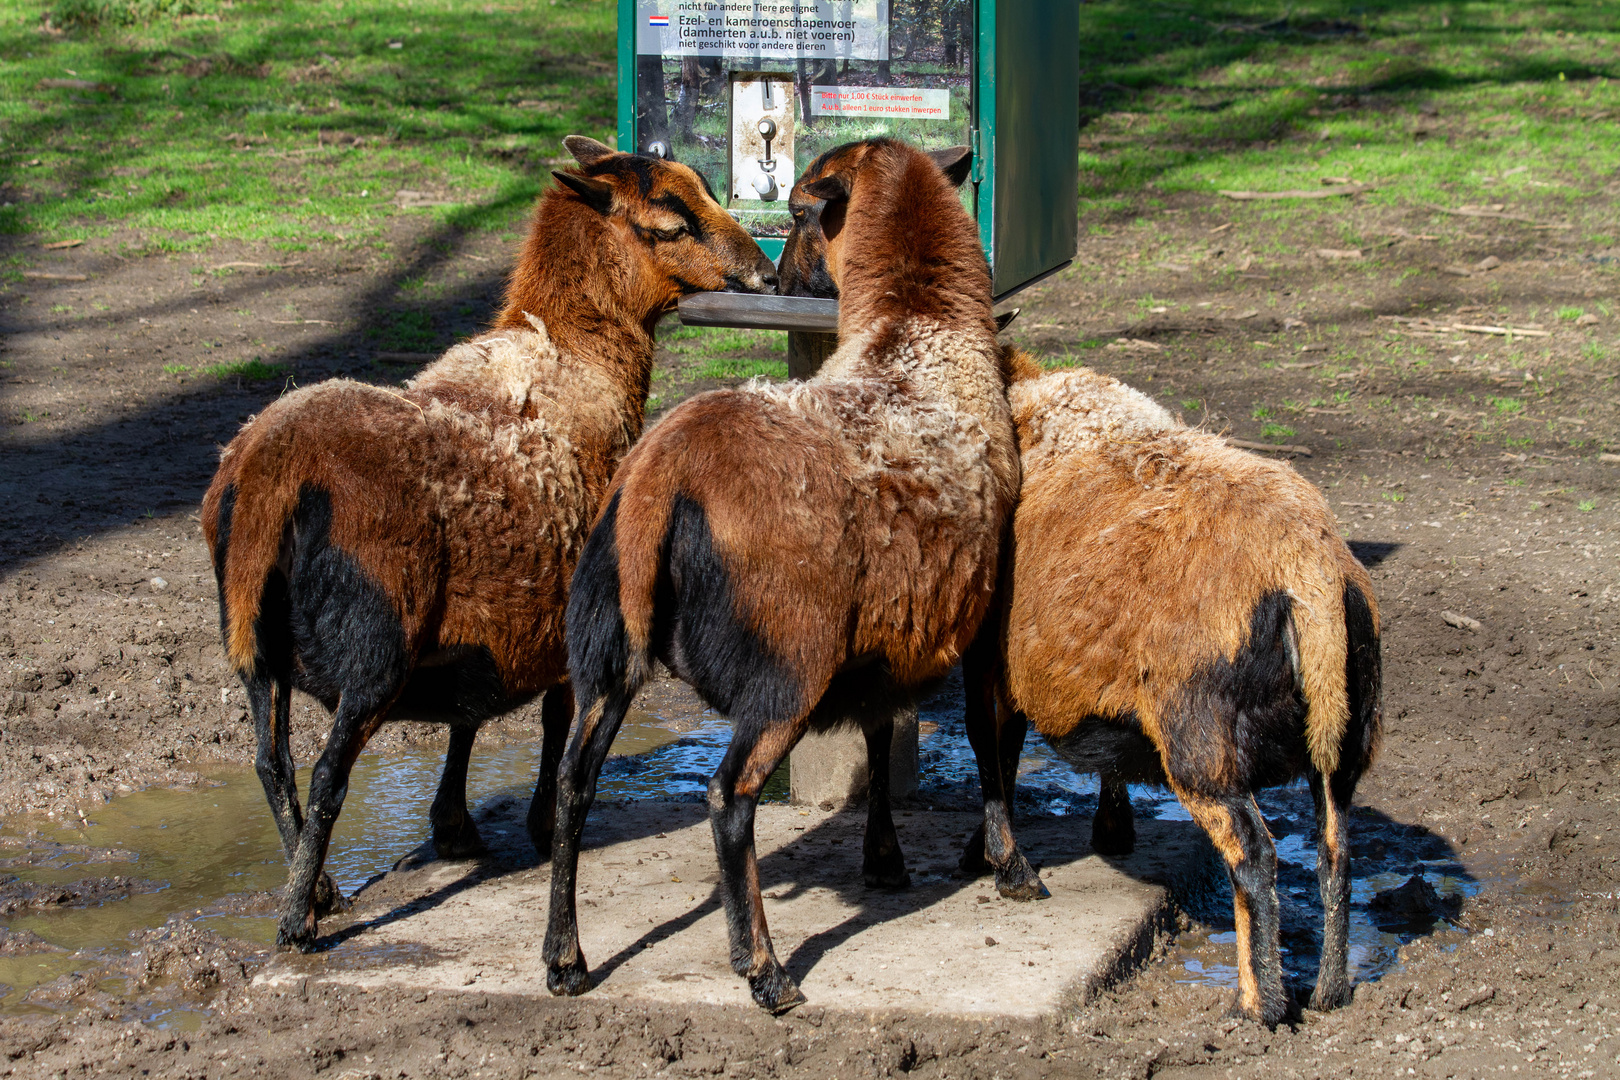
(293, 122)
(407, 331)
(1276, 432)
(1250, 95)
(1570, 314)
(254, 369)
(741, 368)
(727, 355)
(1586, 506)
(1505, 406)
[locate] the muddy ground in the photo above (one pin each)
(1469, 469)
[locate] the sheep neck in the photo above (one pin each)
(911, 256)
(571, 275)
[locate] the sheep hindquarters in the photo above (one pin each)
(1333, 793)
(351, 646)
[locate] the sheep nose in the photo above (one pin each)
(769, 281)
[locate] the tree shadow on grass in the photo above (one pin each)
(219, 127)
(1228, 77)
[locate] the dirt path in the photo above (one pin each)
(1476, 486)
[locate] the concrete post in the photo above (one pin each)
(831, 767)
(806, 351)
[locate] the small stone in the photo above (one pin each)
(1461, 622)
(1587, 320)
(988, 940)
(159, 583)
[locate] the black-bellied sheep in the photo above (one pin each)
(1183, 613)
(407, 553)
(785, 549)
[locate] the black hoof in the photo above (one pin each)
(301, 939)
(1113, 842)
(887, 879)
(1327, 998)
(570, 980)
(1270, 1014)
(774, 991)
(328, 898)
(973, 861)
(542, 843)
(1020, 882)
(462, 843)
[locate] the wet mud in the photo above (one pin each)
(1487, 930)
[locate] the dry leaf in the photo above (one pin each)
(58, 245)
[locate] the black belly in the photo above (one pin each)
(1114, 746)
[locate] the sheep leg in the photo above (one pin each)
(1332, 798)
(733, 793)
(356, 722)
(599, 720)
(1113, 829)
(997, 737)
(455, 835)
(1238, 831)
(884, 864)
(270, 700)
(556, 710)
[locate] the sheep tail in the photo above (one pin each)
(245, 530)
(1334, 642)
(610, 602)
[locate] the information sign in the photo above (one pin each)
(895, 102)
(764, 29)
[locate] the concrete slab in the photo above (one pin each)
(652, 926)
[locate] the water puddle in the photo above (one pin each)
(211, 854)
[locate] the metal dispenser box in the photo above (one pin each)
(749, 92)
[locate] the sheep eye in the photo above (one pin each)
(670, 234)
(798, 215)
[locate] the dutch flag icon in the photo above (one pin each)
(658, 20)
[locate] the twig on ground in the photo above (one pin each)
(45, 275)
(1486, 212)
(256, 265)
(1299, 193)
(1281, 448)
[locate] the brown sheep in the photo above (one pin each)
(406, 554)
(1177, 612)
(790, 550)
(1181, 613)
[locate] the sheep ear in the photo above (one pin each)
(587, 151)
(831, 188)
(955, 162)
(596, 194)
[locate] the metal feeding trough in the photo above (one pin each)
(749, 92)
